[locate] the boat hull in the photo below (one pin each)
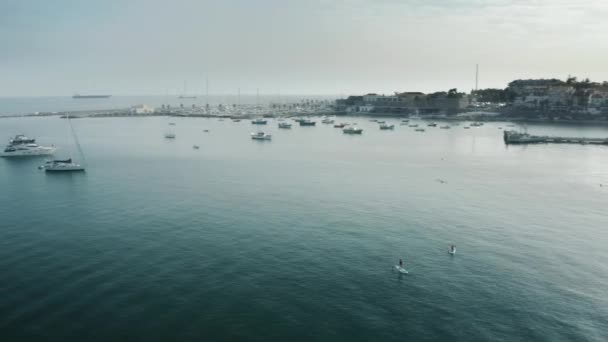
(64, 168)
(42, 151)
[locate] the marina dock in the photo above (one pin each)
(514, 137)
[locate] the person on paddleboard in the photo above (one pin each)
(400, 263)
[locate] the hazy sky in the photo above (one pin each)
(294, 46)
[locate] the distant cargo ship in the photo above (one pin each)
(78, 96)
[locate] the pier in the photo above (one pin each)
(514, 137)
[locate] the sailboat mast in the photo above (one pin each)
(207, 90)
(76, 141)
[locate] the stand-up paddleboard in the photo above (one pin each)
(401, 269)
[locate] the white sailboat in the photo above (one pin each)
(66, 165)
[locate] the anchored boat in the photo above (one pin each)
(260, 136)
(22, 146)
(352, 130)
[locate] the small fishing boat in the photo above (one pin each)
(352, 130)
(307, 122)
(258, 122)
(260, 136)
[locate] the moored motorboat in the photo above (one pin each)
(284, 125)
(307, 122)
(258, 122)
(352, 130)
(387, 126)
(169, 135)
(22, 146)
(260, 136)
(27, 150)
(340, 125)
(419, 129)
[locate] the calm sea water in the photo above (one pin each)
(296, 238)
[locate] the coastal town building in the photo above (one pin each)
(540, 98)
(142, 109)
(404, 103)
(553, 97)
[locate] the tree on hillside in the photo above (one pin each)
(571, 80)
(491, 95)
